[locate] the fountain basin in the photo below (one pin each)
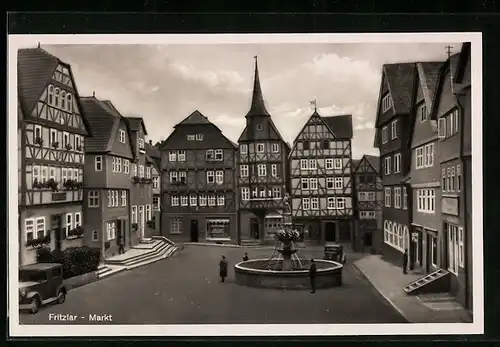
(254, 273)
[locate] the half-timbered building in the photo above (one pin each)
(141, 191)
(391, 138)
(369, 199)
(52, 131)
(425, 172)
(108, 159)
(321, 179)
(262, 172)
(452, 110)
(198, 185)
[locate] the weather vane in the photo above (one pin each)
(313, 102)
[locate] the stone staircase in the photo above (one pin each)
(146, 252)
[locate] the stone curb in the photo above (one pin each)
(204, 244)
(365, 275)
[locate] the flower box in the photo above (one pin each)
(150, 223)
(55, 144)
(68, 147)
(136, 179)
(76, 232)
(39, 141)
(135, 226)
(38, 242)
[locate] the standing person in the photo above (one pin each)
(405, 261)
(245, 257)
(121, 246)
(312, 276)
(223, 268)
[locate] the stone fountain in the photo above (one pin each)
(285, 269)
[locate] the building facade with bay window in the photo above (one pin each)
(52, 134)
(198, 186)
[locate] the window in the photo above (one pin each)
(397, 162)
(387, 192)
(259, 127)
(93, 198)
(182, 177)
(78, 219)
(274, 170)
(156, 203)
(190, 137)
(276, 192)
(329, 163)
(63, 100)
(111, 230)
(69, 100)
(134, 214)
(134, 169)
(385, 136)
(184, 200)
(367, 214)
(423, 113)
(442, 127)
(305, 183)
(326, 144)
(426, 200)
(329, 182)
(219, 177)
(314, 203)
(52, 173)
(175, 226)
(386, 103)
(245, 194)
(122, 136)
(337, 164)
(51, 95)
(429, 155)
(209, 155)
(263, 193)
(210, 177)
(306, 203)
(260, 148)
(173, 177)
(340, 203)
(275, 148)
(29, 229)
(419, 157)
(452, 178)
(220, 200)
(339, 182)
(394, 129)
(397, 197)
(394, 235)
(174, 201)
(387, 165)
(243, 149)
(65, 139)
(261, 170)
(405, 198)
(141, 144)
(434, 251)
(461, 250)
(371, 196)
(56, 98)
(313, 164)
(199, 137)
(98, 163)
(330, 203)
(219, 155)
(313, 184)
(181, 155)
(64, 175)
(156, 182)
(118, 164)
(244, 170)
(76, 175)
(53, 137)
(38, 133)
(459, 179)
(126, 166)
(304, 164)
(172, 156)
(211, 200)
(69, 223)
(193, 200)
(124, 198)
(95, 235)
(306, 144)
(456, 252)
(448, 179)
(78, 143)
(40, 227)
(148, 172)
(44, 173)
(115, 198)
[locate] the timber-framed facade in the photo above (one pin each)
(52, 129)
(321, 179)
(262, 171)
(198, 185)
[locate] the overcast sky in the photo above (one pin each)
(165, 83)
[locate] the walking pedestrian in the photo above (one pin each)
(245, 257)
(121, 246)
(405, 261)
(312, 276)
(223, 268)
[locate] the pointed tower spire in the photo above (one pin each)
(257, 108)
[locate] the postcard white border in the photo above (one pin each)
(477, 327)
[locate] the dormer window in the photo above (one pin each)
(122, 136)
(259, 127)
(190, 137)
(386, 103)
(141, 144)
(423, 113)
(199, 137)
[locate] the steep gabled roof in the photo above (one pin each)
(35, 68)
(355, 164)
(445, 68)
(104, 120)
(400, 80)
(374, 161)
(340, 126)
(195, 118)
(462, 61)
(257, 107)
(135, 123)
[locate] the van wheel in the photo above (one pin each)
(34, 305)
(61, 297)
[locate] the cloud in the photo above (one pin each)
(226, 120)
(364, 126)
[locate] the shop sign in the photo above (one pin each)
(449, 205)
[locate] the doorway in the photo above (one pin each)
(368, 239)
(194, 230)
(330, 232)
(120, 232)
(254, 229)
(141, 221)
(344, 231)
(56, 227)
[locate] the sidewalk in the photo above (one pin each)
(389, 280)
